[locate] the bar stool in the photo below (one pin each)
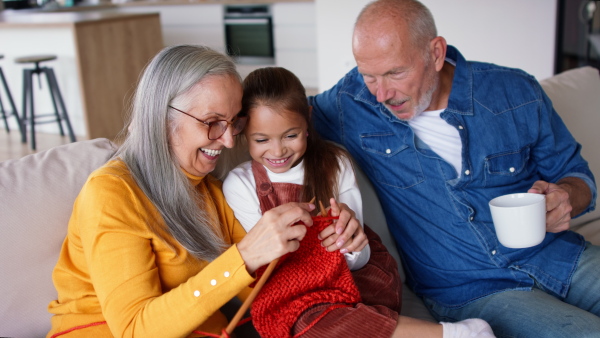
(5, 114)
(28, 114)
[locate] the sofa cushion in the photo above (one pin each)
(575, 95)
(591, 231)
(38, 192)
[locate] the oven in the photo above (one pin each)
(249, 34)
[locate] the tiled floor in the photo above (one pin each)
(12, 148)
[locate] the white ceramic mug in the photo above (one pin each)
(519, 219)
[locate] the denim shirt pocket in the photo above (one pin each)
(391, 161)
(506, 167)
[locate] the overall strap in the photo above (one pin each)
(271, 194)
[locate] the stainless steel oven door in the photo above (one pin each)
(249, 34)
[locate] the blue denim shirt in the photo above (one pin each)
(441, 222)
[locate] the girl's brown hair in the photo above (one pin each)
(280, 90)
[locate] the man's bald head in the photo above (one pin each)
(408, 19)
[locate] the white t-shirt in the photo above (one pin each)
(440, 136)
(240, 192)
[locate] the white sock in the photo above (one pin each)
(467, 328)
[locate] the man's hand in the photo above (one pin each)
(568, 198)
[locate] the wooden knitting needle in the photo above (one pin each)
(242, 310)
(323, 210)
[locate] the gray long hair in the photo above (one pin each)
(147, 154)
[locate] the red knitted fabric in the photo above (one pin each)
(304, 278)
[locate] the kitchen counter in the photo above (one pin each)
(62, 17)
(188, 2)
(106, 4)
(100, 56)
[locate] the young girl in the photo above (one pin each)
(291, 163)
(311, 292)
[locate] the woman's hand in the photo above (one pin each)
(275, 234)
(346, 233)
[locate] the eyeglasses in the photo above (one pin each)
(217, 128)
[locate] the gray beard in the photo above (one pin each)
(425, 100)
(423, 103)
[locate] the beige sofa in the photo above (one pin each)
(37, 192)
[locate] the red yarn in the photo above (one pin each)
(77, 328)
(307, 277)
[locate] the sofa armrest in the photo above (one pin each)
(575, 95)
(38, 192)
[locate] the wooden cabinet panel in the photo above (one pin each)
(112, 54)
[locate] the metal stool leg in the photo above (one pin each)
(55, 91)
(28, 108)
(47, 71)
(4, 115)
(11, 102)
(25, 98)
(31, 109)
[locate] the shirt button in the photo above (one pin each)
(196, 293)
(226, 274)
(512, 169)
(213, 282)
(493, 252)
(467, 172)
(387, 151)
(471, 218)
(460, 127)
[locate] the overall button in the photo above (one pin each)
(467, 172)
(213, 282)
(226, 274)
(196, 293)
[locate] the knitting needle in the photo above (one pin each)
(323, 210)
(242, 310)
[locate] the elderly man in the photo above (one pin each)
(439, 137)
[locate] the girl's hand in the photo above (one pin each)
(275, 234)
(346, 233)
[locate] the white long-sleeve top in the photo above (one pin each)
(240, 192)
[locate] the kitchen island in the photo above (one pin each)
(100, 56)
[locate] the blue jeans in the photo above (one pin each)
(536, 313)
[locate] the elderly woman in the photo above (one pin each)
(152, 247)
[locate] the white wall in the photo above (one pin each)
(514, 33)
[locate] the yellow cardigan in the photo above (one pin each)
(113, 268)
